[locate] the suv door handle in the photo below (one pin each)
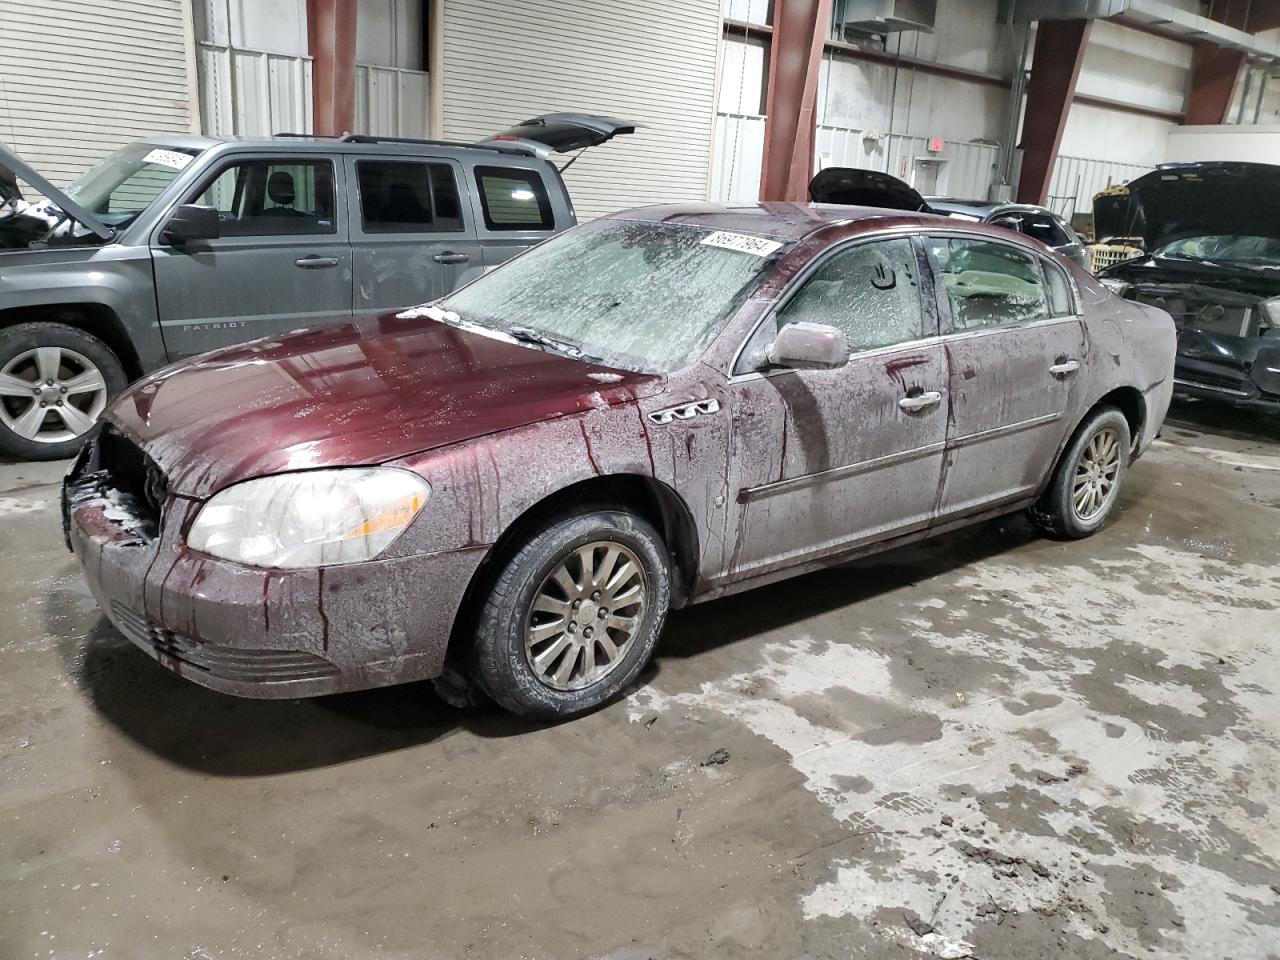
(921, 402)
(1066, 368)
(316, 263)
(450, 257)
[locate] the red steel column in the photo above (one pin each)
(1215, 71)
(1055, 68)
(799, 34)
(331, 35)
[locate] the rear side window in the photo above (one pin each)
(990, 284)
(266, 198)
(1045, 229)
(514, 199)
(408, 197)
(1061, 303)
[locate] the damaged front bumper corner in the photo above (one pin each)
(254, 632)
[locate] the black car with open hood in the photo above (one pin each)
(1211, 232)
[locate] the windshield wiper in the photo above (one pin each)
(539, 339)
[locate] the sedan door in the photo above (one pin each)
(283, 260)
(826, 460)
(413, 237)
(1015, 346)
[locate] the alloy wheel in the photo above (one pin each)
(51, 394)
(1094, 484)
(585, 616)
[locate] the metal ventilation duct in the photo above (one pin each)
(889, 16)
(1152, 13)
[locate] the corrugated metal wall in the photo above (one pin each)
(391, 102)
(1076, 180)
(652, 63)
(79, 78)
(962, 169)
(250, 93)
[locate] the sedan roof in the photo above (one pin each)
(783, 221)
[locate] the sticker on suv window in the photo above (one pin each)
(757, 246)
(169, 158)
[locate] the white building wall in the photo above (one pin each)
(80, 78)
(653, 64)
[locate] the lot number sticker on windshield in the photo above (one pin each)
(168, 158)
(757, 246)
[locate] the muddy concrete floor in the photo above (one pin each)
(991, 745)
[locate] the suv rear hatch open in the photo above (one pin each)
(562, 133)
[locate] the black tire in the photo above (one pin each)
(500, 662)
(1056, 512)
(17, 341)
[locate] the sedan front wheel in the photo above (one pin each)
(574, 614)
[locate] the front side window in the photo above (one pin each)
(514, 199)
(989, 284)
(633, 294)
(264, 198)
(119, 188)
(408, 197)
(870, 291)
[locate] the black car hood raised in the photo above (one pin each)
(1193, 199)
(850, 186)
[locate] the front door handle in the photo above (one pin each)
(1065, 369)
(450, 257)
(920, 402)
(316, 263)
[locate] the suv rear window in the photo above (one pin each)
(398, 196)
(514, 199)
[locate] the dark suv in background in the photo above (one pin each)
(178, 245)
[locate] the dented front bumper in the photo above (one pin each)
(255, 632)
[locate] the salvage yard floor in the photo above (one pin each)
(991, 745)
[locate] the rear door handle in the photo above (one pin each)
(450, 257)
(316, 263)
(921, 402)
(1066, 368)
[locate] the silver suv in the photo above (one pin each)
(177, 245)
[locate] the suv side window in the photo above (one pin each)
(989, 284)
(871, 291)
(514, 199)
(399, 196)
(268, 198)
(1061, 302)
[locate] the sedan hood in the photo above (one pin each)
(365, 392)
(850, 186)
(1193, 199)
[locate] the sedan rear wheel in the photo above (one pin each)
(573, 614)
(1086, 483)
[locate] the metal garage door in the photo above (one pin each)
(78, 78)
(652, 63)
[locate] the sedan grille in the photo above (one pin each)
(228, 663)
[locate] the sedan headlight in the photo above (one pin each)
(310, 519)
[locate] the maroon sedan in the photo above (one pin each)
(653, 409)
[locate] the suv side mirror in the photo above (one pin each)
(809, 346)
(190, 222)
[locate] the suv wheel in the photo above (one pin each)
(574, 614)
(55, 381)
(1086, 484)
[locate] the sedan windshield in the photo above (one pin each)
(631, 294)
(1262, 251)
(119, 188)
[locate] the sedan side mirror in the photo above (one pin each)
(190, 222)
(809, 346)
